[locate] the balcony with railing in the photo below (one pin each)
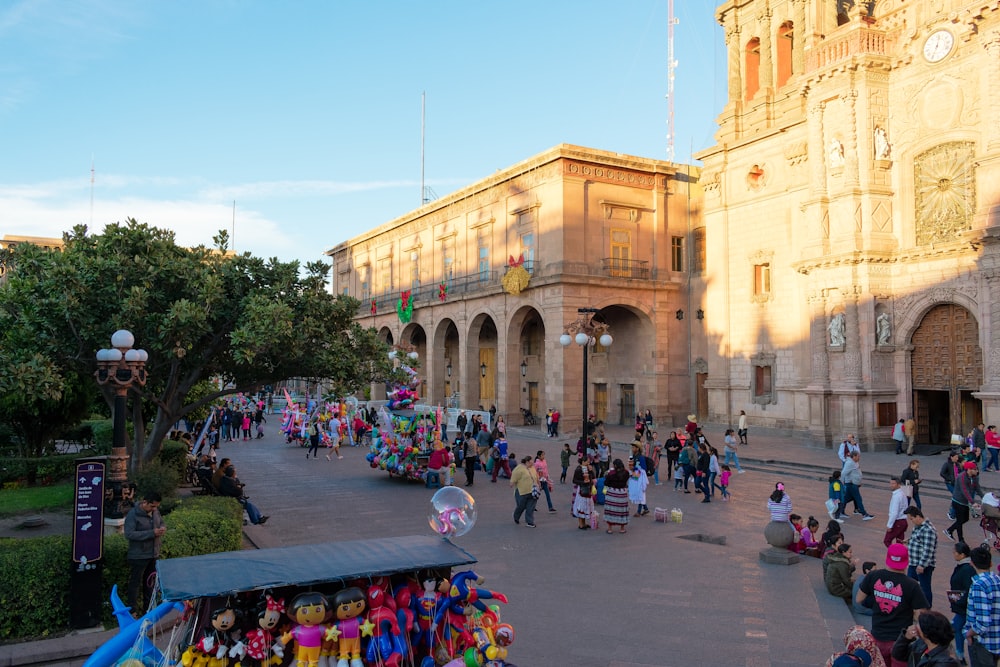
(481, 283)
(630, 269)
(839, 48)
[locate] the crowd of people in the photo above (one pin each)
(899, 596)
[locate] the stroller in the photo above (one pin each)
(990, 523)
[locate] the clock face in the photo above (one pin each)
(938, 45)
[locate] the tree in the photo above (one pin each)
(200, 314)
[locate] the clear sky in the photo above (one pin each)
(307, 113)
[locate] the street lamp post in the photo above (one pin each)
(121, 367)
(584, 331)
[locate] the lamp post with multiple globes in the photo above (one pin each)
(121, 367)
(585, 332)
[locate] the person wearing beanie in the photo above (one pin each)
(964, 495)
(897, 599)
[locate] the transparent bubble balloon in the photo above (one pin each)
(453, 512)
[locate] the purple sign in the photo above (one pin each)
(88, 513)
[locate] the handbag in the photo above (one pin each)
(908, 490)
(831, 505)
(535, 491)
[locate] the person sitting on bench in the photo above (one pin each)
(231, 486)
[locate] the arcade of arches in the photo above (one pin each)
(480, 361)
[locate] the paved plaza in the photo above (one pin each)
(655, 596)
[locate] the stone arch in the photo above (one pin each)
(414, 334)
(482, 361)
(622, 377)
(447, 361)
(525, 345)
(946, 368)
(385, 335)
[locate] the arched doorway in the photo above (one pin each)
(946, 366)
(525, 376)
(448, 364)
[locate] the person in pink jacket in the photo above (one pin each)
(544, 481)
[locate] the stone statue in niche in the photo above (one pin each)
(883, 329)
(836, 329)
(883, 150)
(836, 151)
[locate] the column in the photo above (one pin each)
(852, 333)
(766, 56)
(818, 339)
(851, 177)
(735, 62)
(991, 93)
(799, 34)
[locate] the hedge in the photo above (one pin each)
(46, 469)
(36, 571)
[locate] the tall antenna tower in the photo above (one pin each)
(426, 193)
(671, 68)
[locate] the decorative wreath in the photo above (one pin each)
(404, 307)
(517, 277)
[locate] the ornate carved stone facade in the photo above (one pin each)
(879, 125)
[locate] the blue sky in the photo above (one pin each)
(307, 113)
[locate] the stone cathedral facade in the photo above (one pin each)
(848, 261)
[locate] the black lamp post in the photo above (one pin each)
(121, 367)
(584, 331)
(482, 369)
(524, 368)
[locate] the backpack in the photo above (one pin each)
(650, 465)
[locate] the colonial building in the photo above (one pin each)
(484, 282)
(852, 272)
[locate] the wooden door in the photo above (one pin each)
(601, 402)
(627, 415)
(947, 357)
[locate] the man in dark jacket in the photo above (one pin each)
(230, 485)
(144, 529)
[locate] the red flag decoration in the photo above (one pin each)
(442, 291)
(518, 262)
(374, 308)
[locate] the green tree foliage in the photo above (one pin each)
(200, 313)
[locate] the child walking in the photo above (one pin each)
(723, 481)
(678, 478)
(836, 497)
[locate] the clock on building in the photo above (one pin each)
(938, 45)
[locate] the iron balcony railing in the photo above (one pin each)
(632, 269)
(481, 282)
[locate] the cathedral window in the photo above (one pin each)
(785, 45)
(698, 262)
(752, 67)
(761, 280)
(762, 389)
(676, 253)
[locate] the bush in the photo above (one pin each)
(104, 434)
(174, 455)
(43, 470)
(203, 525)
(35, 585)
(36, 571)
(155, 476)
